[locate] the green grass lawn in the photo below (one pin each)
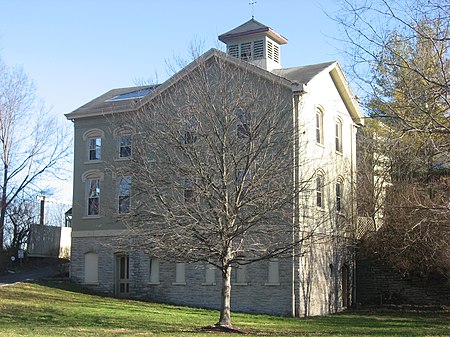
(52, 309)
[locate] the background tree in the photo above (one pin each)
(400, 57)
(22, 214)
(31, 142)
(212, 171)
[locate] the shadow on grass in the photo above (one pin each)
(61, 304)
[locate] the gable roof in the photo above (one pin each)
(107, 104)
(302, 74)
(252, 27)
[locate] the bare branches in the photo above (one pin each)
(31, 142)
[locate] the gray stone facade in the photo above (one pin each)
(317, 290)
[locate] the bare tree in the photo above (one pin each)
(216, 170)
(398, 53)
(31, 142)
(21, 215)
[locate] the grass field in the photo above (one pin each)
(60, 309)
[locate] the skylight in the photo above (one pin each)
(133, 94)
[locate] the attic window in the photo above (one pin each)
(233, 50)
(132, 94)
(258, 49)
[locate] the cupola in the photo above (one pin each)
(255, 43)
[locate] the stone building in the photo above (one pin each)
(321, 108)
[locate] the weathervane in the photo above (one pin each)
(252, 3)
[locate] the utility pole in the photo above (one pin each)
(42, 212)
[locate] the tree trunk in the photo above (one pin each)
(3, 205)
(225, 309)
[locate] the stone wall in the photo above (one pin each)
(254, 296)
(379, 284)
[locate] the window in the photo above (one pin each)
(319, 191)
(90, 268)
(93, 202)
(243, 124)
(125, 146)
(93, 138)
(241, 274)
(180, 273)
(273, 276)
(339, 136)
(189, 193)
(246, 51)
(189, 134)
(338, 196)
(124, 194)
(154, 270)
(95, 147)
(189, 137)
(210, 274)
(319, 127)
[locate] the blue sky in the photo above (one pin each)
(76, 50)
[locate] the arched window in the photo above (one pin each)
(338, 196)
(124, 137)
(94, 143)
(92, 179)
(319, 126)
(339, 135)
(124, 194)
(243, 123)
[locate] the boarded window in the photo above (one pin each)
(210, 274)
(154, 270)
(180, 273)
(90, 268)
(273, 272)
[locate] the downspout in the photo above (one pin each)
(354, 216)
(295, 204)
(297, 93)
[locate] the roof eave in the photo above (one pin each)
(270, 32)
(338, 77)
